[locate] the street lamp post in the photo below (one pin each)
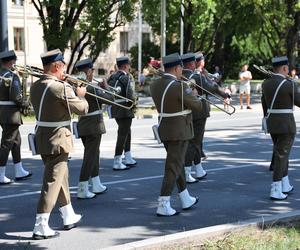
(3, 26)
(163, 29)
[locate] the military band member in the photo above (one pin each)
(90, 129)
(174, 100)
(193, 154)
(200, 64)
(278, 110)
(53, 101)
(11, 102)
(121, 79)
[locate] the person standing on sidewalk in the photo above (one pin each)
(245, 88)
(279, 95)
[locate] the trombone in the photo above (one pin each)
(37, 72)
(82, 82)
(194, 84)
(270, 73)
(7, 80)
(116, 90)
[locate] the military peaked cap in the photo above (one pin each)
(52, 56)
(171, 60)
(86, 63)
(199, 57)
(122, 60)
(188, 57)
(6, 56)
(278, 61)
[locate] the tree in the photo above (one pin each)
(232, 32)
(89, 23)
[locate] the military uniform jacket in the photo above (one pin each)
(55, 109)
(93, 124)
(123, 80)
(206, 85)
(178, 127)
(10, 114)
(280, 123)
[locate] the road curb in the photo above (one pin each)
(206, 233)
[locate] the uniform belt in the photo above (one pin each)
(184, 112)
(280, 111)
(97, 112)
(7, 103)
(53, 124)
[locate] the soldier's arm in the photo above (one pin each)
(296, 87)
(16, 91)
(212, 87)
(78, 105)
(104, 95)
(189, 100)
(126, 87)
(264, 104)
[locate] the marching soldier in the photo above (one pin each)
(11, 102)
(53, 101)
(90, 129)
(193, 154)
(174, 100)
(121, 79)
(279, 95)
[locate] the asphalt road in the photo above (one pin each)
(236, 188)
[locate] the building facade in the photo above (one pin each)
(25, 36)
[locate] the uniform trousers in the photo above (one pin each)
(55, 183)
(174, 167)
(124, 135)
(90, 164)
(194, 150)
(282, 144)
(10, 141)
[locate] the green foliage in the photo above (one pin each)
(231, 32)
(150, 50)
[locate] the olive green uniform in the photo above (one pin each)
(123, 116)
(176, 131)
(11, 101)
(194, 150)
(55, 143)
(90, 128)
(281, 126)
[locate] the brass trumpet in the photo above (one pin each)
(191, 83)
(7, 80)
(37, 72)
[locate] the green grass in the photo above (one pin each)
(284, 237)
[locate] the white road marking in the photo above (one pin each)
(129, 180)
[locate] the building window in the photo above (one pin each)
(124, 42)
(18, 2)
(19, 39)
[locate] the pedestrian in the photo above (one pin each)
(53, 101)
(279, 95)
(174, 100)
(11, 104)
(245, 88)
